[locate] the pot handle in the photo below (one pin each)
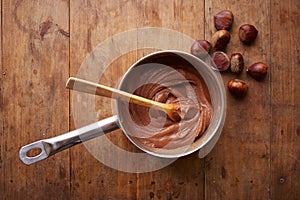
(51, 146)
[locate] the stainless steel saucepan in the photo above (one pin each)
(213, 80)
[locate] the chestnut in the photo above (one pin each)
(236, 63)
(237, 87)
(247, 33)
(257, 70)
(200, 48)
(220, 39)
(220, 60)
(223, 20)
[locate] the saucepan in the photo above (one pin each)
(137, 125)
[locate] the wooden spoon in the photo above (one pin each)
(102, 90)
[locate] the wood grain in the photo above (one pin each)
(92, 23)
(45, 42)
(35, 103)
(239, 166)
(176, 181)
(285, 110)
(2, 181)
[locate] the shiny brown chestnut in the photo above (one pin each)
(257, 70)
(237, 87)
(236, 63)
(221, 60)
(247, 33)
(223, 20)
(201, 48)
(220, 39)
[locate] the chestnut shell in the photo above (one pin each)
(220, 39)
(247, 33)
(201, 48)
(236, 63)
(221, 60)
(237, 87)
(223, 20)
(258, 70)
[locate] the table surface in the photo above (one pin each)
(45, 42)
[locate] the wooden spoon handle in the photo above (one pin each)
(102, 90)
(93, 88)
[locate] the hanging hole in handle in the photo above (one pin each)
(29, 153)
(34, 152)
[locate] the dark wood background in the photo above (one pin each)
(43, 42)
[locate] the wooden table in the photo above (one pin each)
(45, 42)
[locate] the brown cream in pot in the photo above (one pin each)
(167, 79)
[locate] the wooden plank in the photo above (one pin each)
(239, 165)
(183, 179)
(92, 22)
(35, 102)
(285, 110)
(2, 182)
(257, 156)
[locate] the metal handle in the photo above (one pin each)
(56, 144)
